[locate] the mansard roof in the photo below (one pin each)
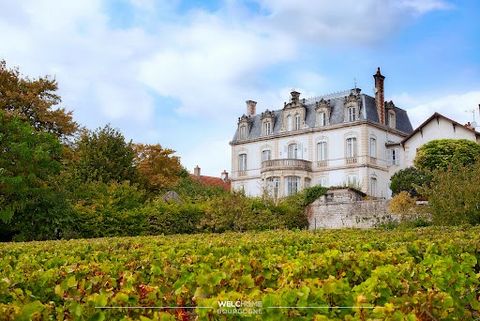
(368, 111)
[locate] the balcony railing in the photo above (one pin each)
(351, 160)
(289, 163)
(322, 163)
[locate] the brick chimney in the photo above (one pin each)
(380, 96)
(196, 171)
(224, 175)
(251, 107)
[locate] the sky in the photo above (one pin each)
(178, 73)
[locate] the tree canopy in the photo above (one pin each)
(442, 153)
(35, 101)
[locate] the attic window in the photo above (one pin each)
(352, 113)
(391, 119)
(267, 128)
(243, 132)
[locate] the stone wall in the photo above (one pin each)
(347, 208)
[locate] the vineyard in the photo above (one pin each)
(421, 274)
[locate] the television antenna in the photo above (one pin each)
(473, 123)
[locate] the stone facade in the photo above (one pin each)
(347, 208)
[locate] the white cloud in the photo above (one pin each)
(344, 21)
(210, 62)
(457, 106)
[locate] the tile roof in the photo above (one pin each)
(212, 181)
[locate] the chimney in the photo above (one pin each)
(251, 107)
(196, 171)
(380, 96)
(295, 96)
(224, 175)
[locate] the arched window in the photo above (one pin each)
(266, 155)
(289, 123)
(273, 186)
(373, 186)
(242, 164)
(351, 147)
(293, 184)
(297, 121)
(243, 132)
(352, 113)
(373, 147)
(293, 151)
(321, 151)
(267, 128)
(322, 119)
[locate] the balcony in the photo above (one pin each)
(351, 160)
(286, 164)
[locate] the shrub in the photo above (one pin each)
(454, 195)
(403, 204)
(408, 180)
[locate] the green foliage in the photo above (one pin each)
(408, 179)
(110, 209)
(454, 195)
(104, 155)
(34, 101)
(444, 153)
(193, 190)
(418, 274)
(28, 160)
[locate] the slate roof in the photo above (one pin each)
(368, 111)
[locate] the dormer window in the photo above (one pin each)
(322, 119)
(351, 113)
(267, 128)
(352, 107)
(289, 123)
(297, 121)
(243, 132)
(323, 112)
(391, 119)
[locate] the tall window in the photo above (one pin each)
(242, 163)
(297, 122)
(352, 113)
(352, 180)
(322, 119)
(273, 185)
(267, 128)
(351, 147)
(266, 155)
(391, 119)
(293, 151)
(373, 186)
(243, 132)
(289, 123)
(292, 184)
(373, 147)
(395, 157)
(321, 151)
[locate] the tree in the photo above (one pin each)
(35, 101)
(104, 155)
(32, 205)
(157, 167)
(442, 153)
(454, 195)
(407, 179)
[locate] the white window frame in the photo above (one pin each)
(292, 184)
(242, 162)
(351, 147)
(289, 123)
(273, 186)
(373, 186)
(352, 113)
(297, 121)
(266, 154)
(293, 151)
(322, 151)
(322, 118)
(373, 147)
(267, 128)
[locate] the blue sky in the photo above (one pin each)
(178, 72)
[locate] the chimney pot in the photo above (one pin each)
(224, 175)
(251, 107)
